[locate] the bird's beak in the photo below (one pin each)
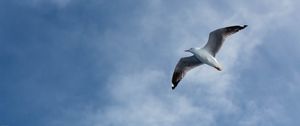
(187, 50)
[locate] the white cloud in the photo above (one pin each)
(269, 115)
(61, 3)
(58, 3)
(137, 104)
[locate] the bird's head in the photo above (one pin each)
(191, 50)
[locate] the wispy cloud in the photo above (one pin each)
(58, 3)
(139, 101)
(137, 45)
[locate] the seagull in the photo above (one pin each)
(205, 55)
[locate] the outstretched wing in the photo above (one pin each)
(217, 37)
(183, 66)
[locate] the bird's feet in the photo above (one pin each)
(218, 68)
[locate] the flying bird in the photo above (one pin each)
(205, 55)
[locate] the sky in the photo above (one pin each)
(110, 63)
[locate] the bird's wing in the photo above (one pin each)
(183, 66)
(217, 37)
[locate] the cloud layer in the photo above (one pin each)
(103, 63)
(140, 102)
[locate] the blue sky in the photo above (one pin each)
(109, 63)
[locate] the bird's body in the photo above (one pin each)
(205, 55)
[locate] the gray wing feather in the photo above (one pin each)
(183, 66)
(217, 37)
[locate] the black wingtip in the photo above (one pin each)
(175, 79)
(174, 86)
(245, 26)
